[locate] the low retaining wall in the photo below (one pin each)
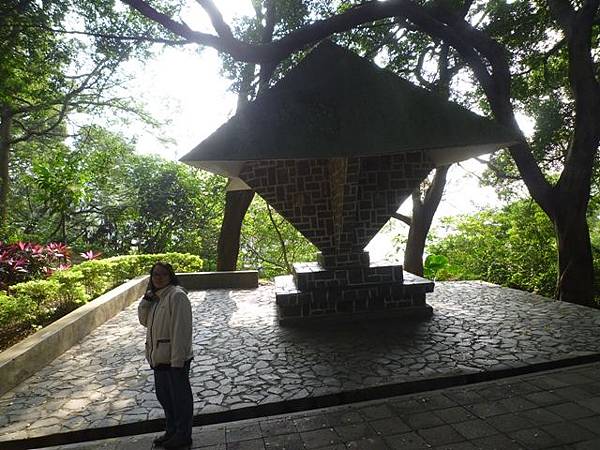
(199, 281)
(22, 360)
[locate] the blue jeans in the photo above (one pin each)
(174, 393)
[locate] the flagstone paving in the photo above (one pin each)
(532, 411)
(244, 358)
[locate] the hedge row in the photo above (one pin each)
(39, 302)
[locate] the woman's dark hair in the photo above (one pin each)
(172, 277)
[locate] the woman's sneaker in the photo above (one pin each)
(160, 440)
(177, 442)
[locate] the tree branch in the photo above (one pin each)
(418, 70)
(262, 258)
(390, 36)
(267, 69)
(118, 37)
(307, 35)
(498, 172)
(173, 26)
(60, 106)
(435, 191)
(284, 252)
(216, 19)
(406, 219)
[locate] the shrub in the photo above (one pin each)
(513, 246)
(434, 265)
(14, 309)
(24, 261)
(39, 301)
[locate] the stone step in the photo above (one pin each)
(309, 276)
(295, 305)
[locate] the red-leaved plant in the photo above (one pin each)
(90, 254)
(24, 261)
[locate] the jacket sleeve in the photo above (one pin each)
(143, 311)
(181, 329)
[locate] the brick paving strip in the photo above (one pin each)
(554, 409)
(245, 359)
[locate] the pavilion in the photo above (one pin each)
(335, 147)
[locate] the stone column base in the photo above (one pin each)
(315, 294)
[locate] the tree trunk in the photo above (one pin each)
(415, 246)
(575, 263)
(5, 129)
(575, 281)
(237, 202)
(424, 209)
(422, 216)
(228, 247)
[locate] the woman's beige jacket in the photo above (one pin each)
(169, 327)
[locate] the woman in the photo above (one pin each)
(166, 312)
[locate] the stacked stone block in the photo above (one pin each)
(314, 293)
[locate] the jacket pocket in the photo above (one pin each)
(162, 354)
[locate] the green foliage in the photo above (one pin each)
(44, 69)
(433, 265)
(40, 301)
(30, 62)
(13, 309)
(178, 207)
(594, 224)
(513, 246)
(100, 194)
(99, 276)
(71, 287)
(49, 299)
(540, 89)
(48, 74)
(261, 242)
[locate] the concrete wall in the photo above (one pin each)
(22, 360)
(199, 281)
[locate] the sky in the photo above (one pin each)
(184, 87)
(185, 90)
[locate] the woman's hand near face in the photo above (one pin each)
(150, 296)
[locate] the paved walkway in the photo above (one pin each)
(556, 409)
(244, 358)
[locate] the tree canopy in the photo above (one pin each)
(495, 42)
(59, 58)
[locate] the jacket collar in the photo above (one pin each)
(164, 291)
